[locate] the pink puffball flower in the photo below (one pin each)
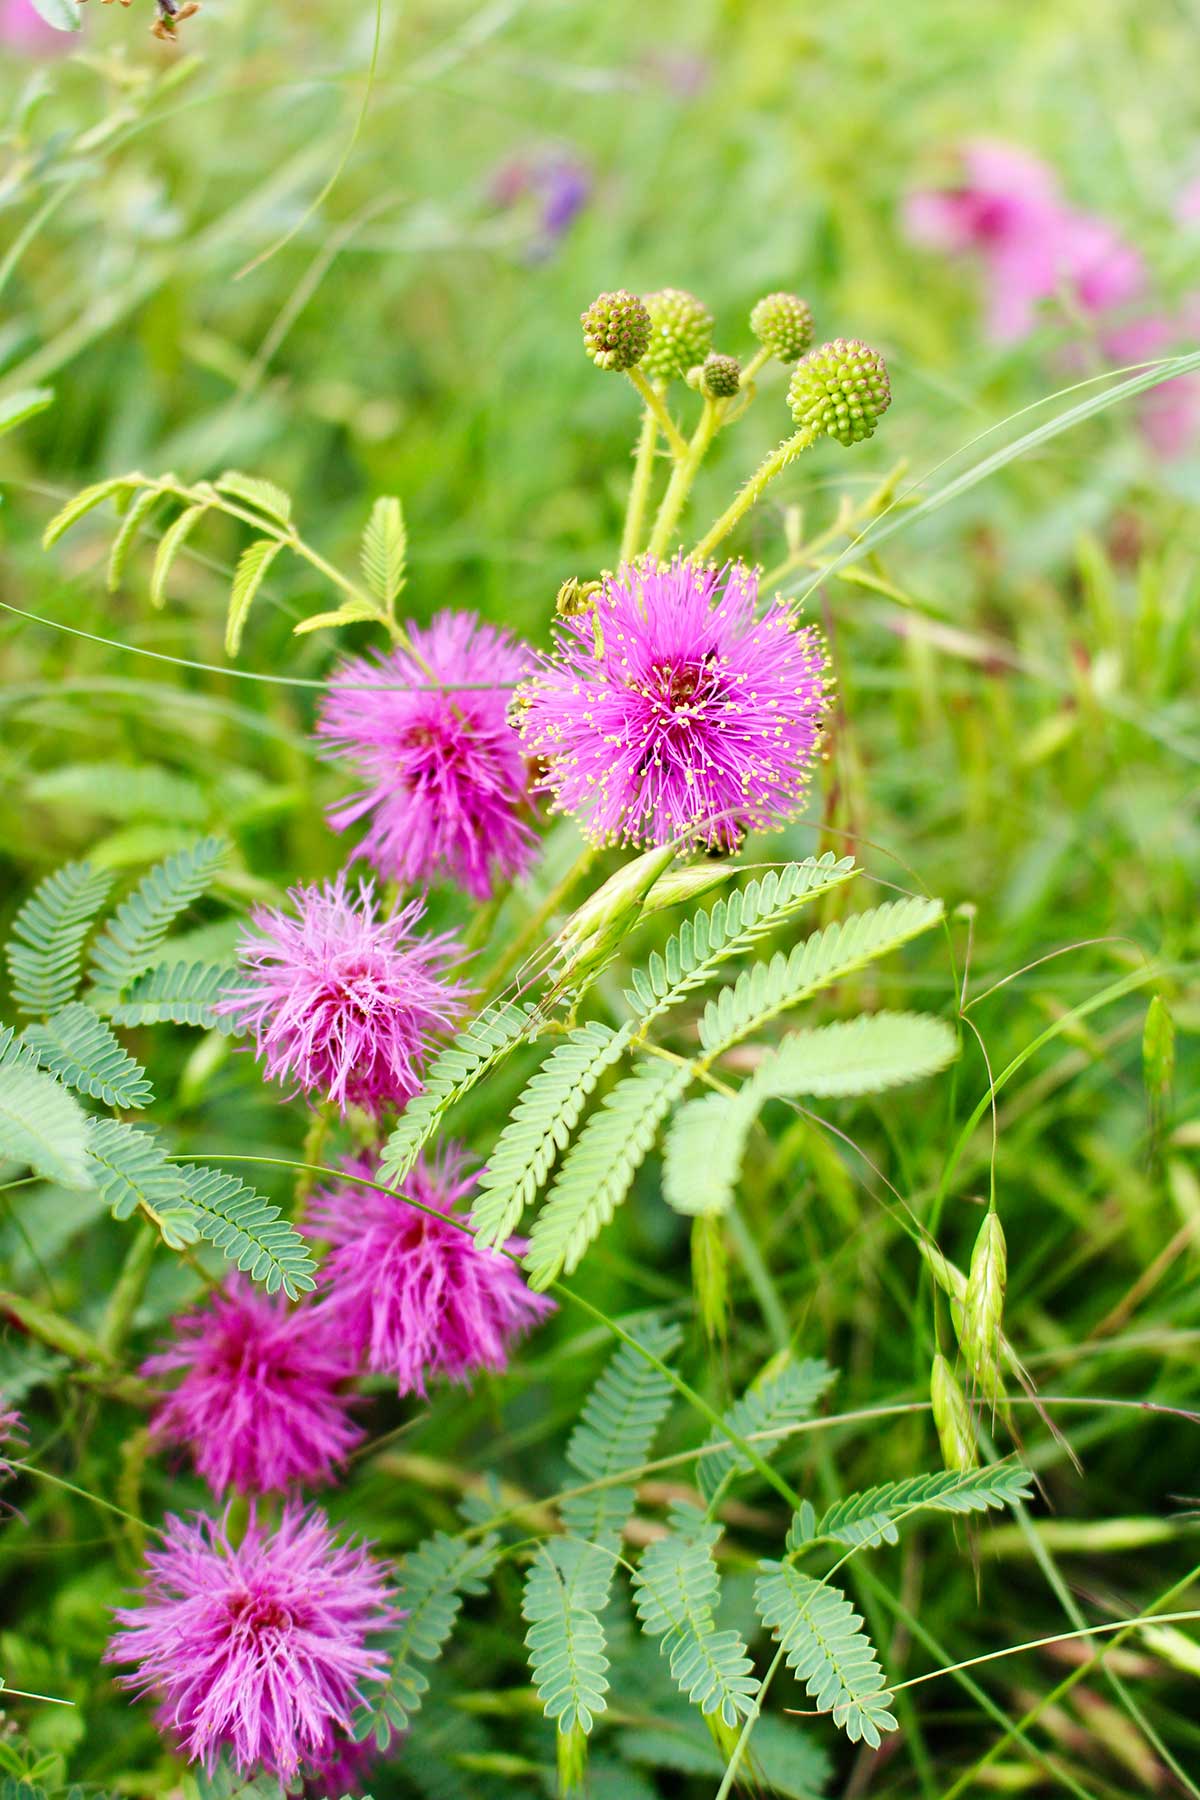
(261, 1647)
(341, 1001)
(259, 1405)
(672, 708)
(411, 1291)
(446, 783)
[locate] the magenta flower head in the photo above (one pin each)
(411, 1292)
(341, 1001)
(260, 1647)
(446, 783)
(259, 1405)
(674, 709)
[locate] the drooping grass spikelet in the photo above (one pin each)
(952, 1417)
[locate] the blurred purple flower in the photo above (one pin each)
(260, 1646)
(413, 1293)
(558, 184)
(259, 1404)
(342, 1001)
(672, 708)
(446, 777)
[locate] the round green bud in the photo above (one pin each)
(616, 330)
(783, 324)
(681, 331)
(841, 390)
(720, 376)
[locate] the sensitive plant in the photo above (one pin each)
(599, 1080)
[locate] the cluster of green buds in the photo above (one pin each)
(839, 390)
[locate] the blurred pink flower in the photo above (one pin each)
(410, 1290)
(260, 1404)
(1009, 211)
(446, 782)
(1187, 210)
(23, 29)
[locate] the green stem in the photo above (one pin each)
(511, 957)
(758, 361)
(315, 1139)
(639, 492)
(766, 472)
(56, 1332)
(130, 1286)
(656, 405)
(759, 1277)
(683, 477)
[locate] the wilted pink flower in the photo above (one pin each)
(22, 28)
(413, 1293)
(342, 1001)
(695, 717)
(259, 1404)
(261, 1647)
(1009, 211)
(446, 780)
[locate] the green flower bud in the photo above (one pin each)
(783, 324)
(720, 376)
(841, 390)
(616, 330)
(681, 331)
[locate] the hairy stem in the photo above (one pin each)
(766, 472)
(639, 492)
(683, 477)
(656, 405)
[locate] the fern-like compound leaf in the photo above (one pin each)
(485, 1042)
(734, 923)
(253, 491)
(15, 1052)
(676, 1591)
(825, 1644)
(48, 935)
(384, 547)
(177, 994)
(872, 1517)
(169, 545)
(616, 1430)
(122, 545)
(133, 1173)
(702, 1155)
(126, 946)
(85, 502)
(563, 1591)
(541, 1125)
(767, 989)
(248, 577)
(784, 1395)
(600, 1166)
(433, 1580)
(249, 1230)
(81, 1050)
(42, 1126)
(857, 1056)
